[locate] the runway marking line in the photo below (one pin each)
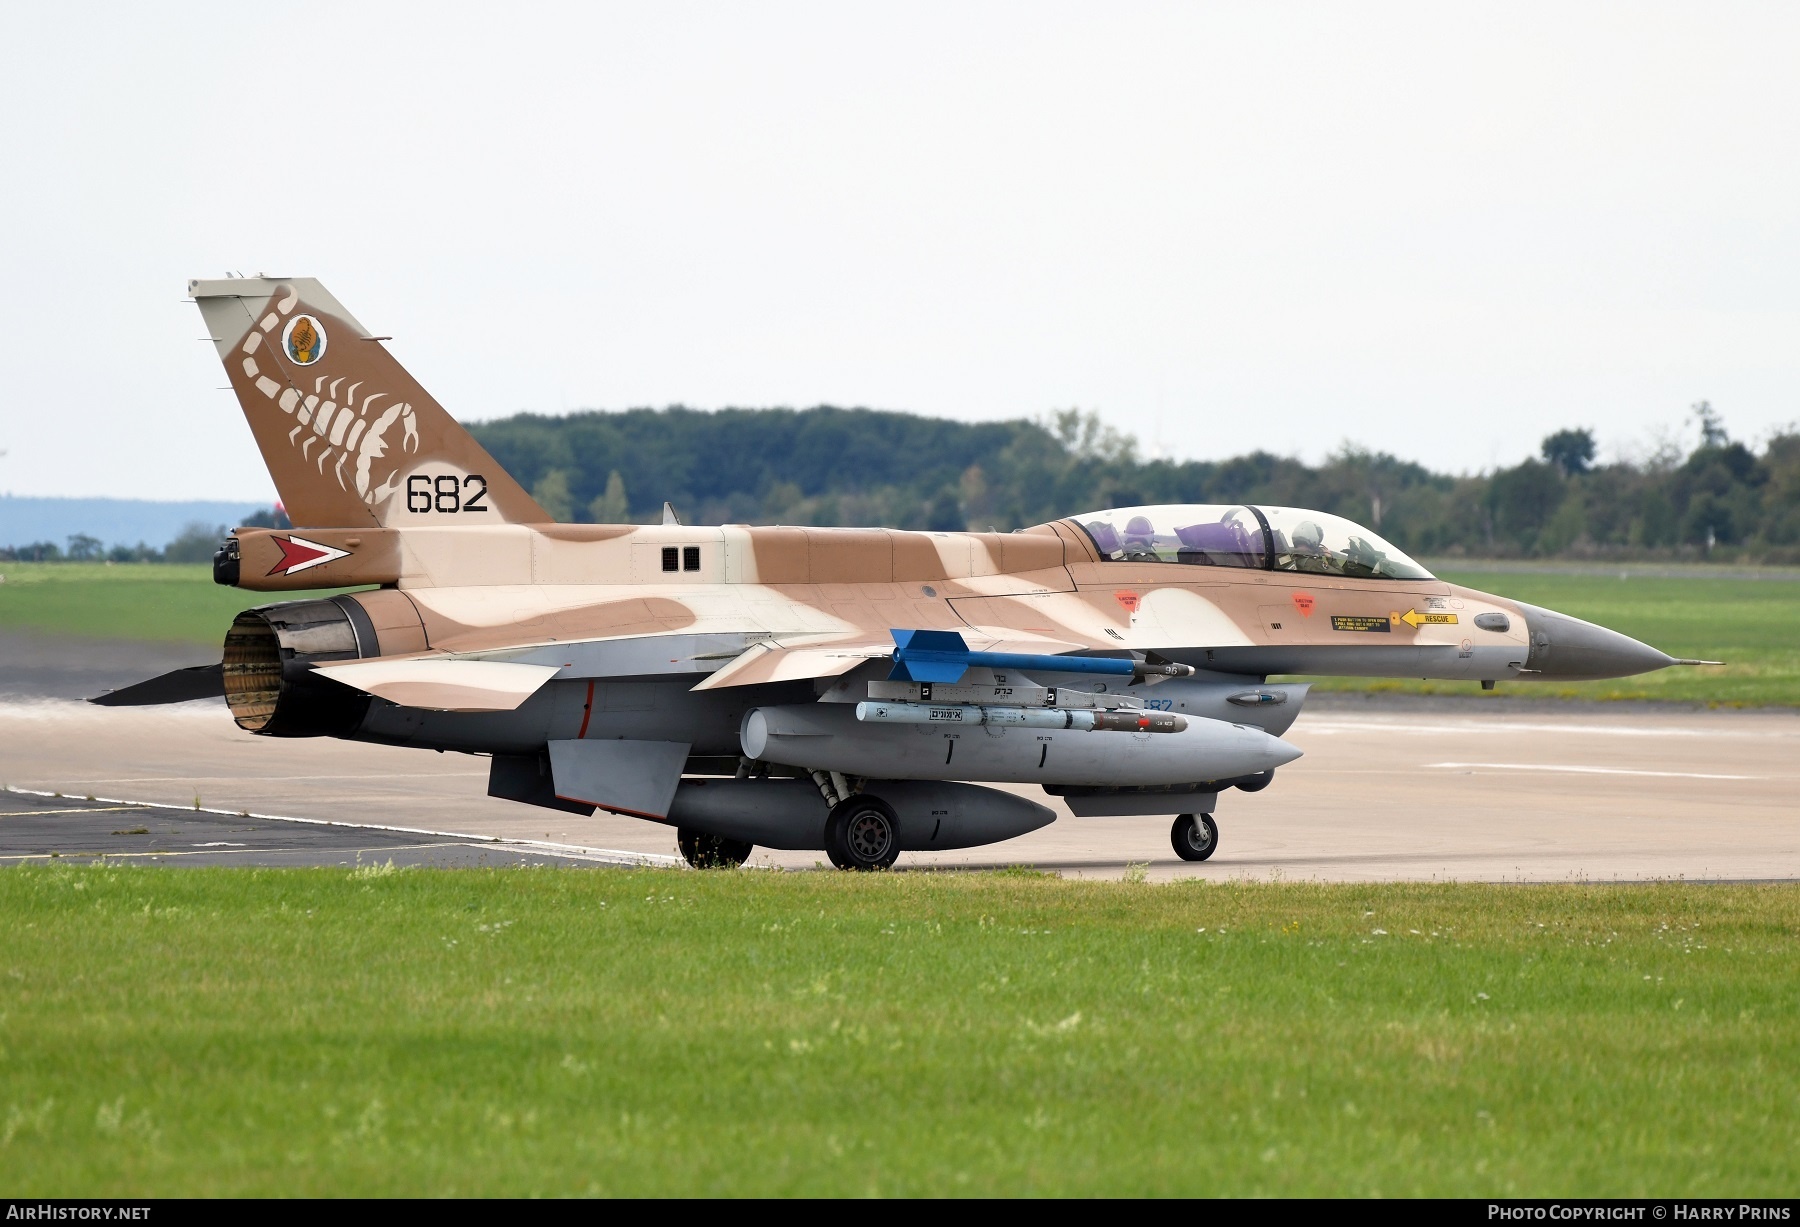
(1667, 775)
(206, 779)
(1458, 724)
(600, 856)
(120, 856)
(357, 852)
(81, 809)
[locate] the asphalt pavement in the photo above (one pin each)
(1476, 790)
(45, 829)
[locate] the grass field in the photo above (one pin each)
(200, 1032)
(170, 602)
(1752, 625)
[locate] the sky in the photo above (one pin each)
(1441, 231)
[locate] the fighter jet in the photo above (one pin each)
(850, 690)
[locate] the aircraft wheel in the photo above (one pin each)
(862, 833)
(704, 851)
(1195, 836)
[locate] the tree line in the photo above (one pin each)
(195, 543)
(1719, 498)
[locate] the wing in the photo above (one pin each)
(772, 661)
(769, 661)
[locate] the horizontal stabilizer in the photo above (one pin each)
(181, 686)
(443, 685)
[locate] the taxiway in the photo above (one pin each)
(1475, 791)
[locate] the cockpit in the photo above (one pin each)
(1254, 538)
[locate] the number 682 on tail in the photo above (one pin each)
(446, 492)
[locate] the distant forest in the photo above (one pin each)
(1721, 499)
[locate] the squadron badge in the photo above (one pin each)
(304, 340)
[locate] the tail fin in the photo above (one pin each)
(349, 437)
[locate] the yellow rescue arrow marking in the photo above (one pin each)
(1415, 619)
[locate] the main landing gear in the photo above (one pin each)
(704, 851)
(1195, 836)
(862, 834)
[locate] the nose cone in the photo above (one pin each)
(1262, 752)
(1221, 750)
(1280, 753)
(1569, 649)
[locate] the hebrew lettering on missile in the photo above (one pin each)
(1091, 721)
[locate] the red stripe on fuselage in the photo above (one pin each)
(587, 713)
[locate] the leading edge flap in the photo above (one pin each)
(771, 662)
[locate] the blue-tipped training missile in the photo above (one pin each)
(943, 656)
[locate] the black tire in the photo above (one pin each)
(704, 851)
(863, 834)
(1195, 837)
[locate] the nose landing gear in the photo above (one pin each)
(1195, 836)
